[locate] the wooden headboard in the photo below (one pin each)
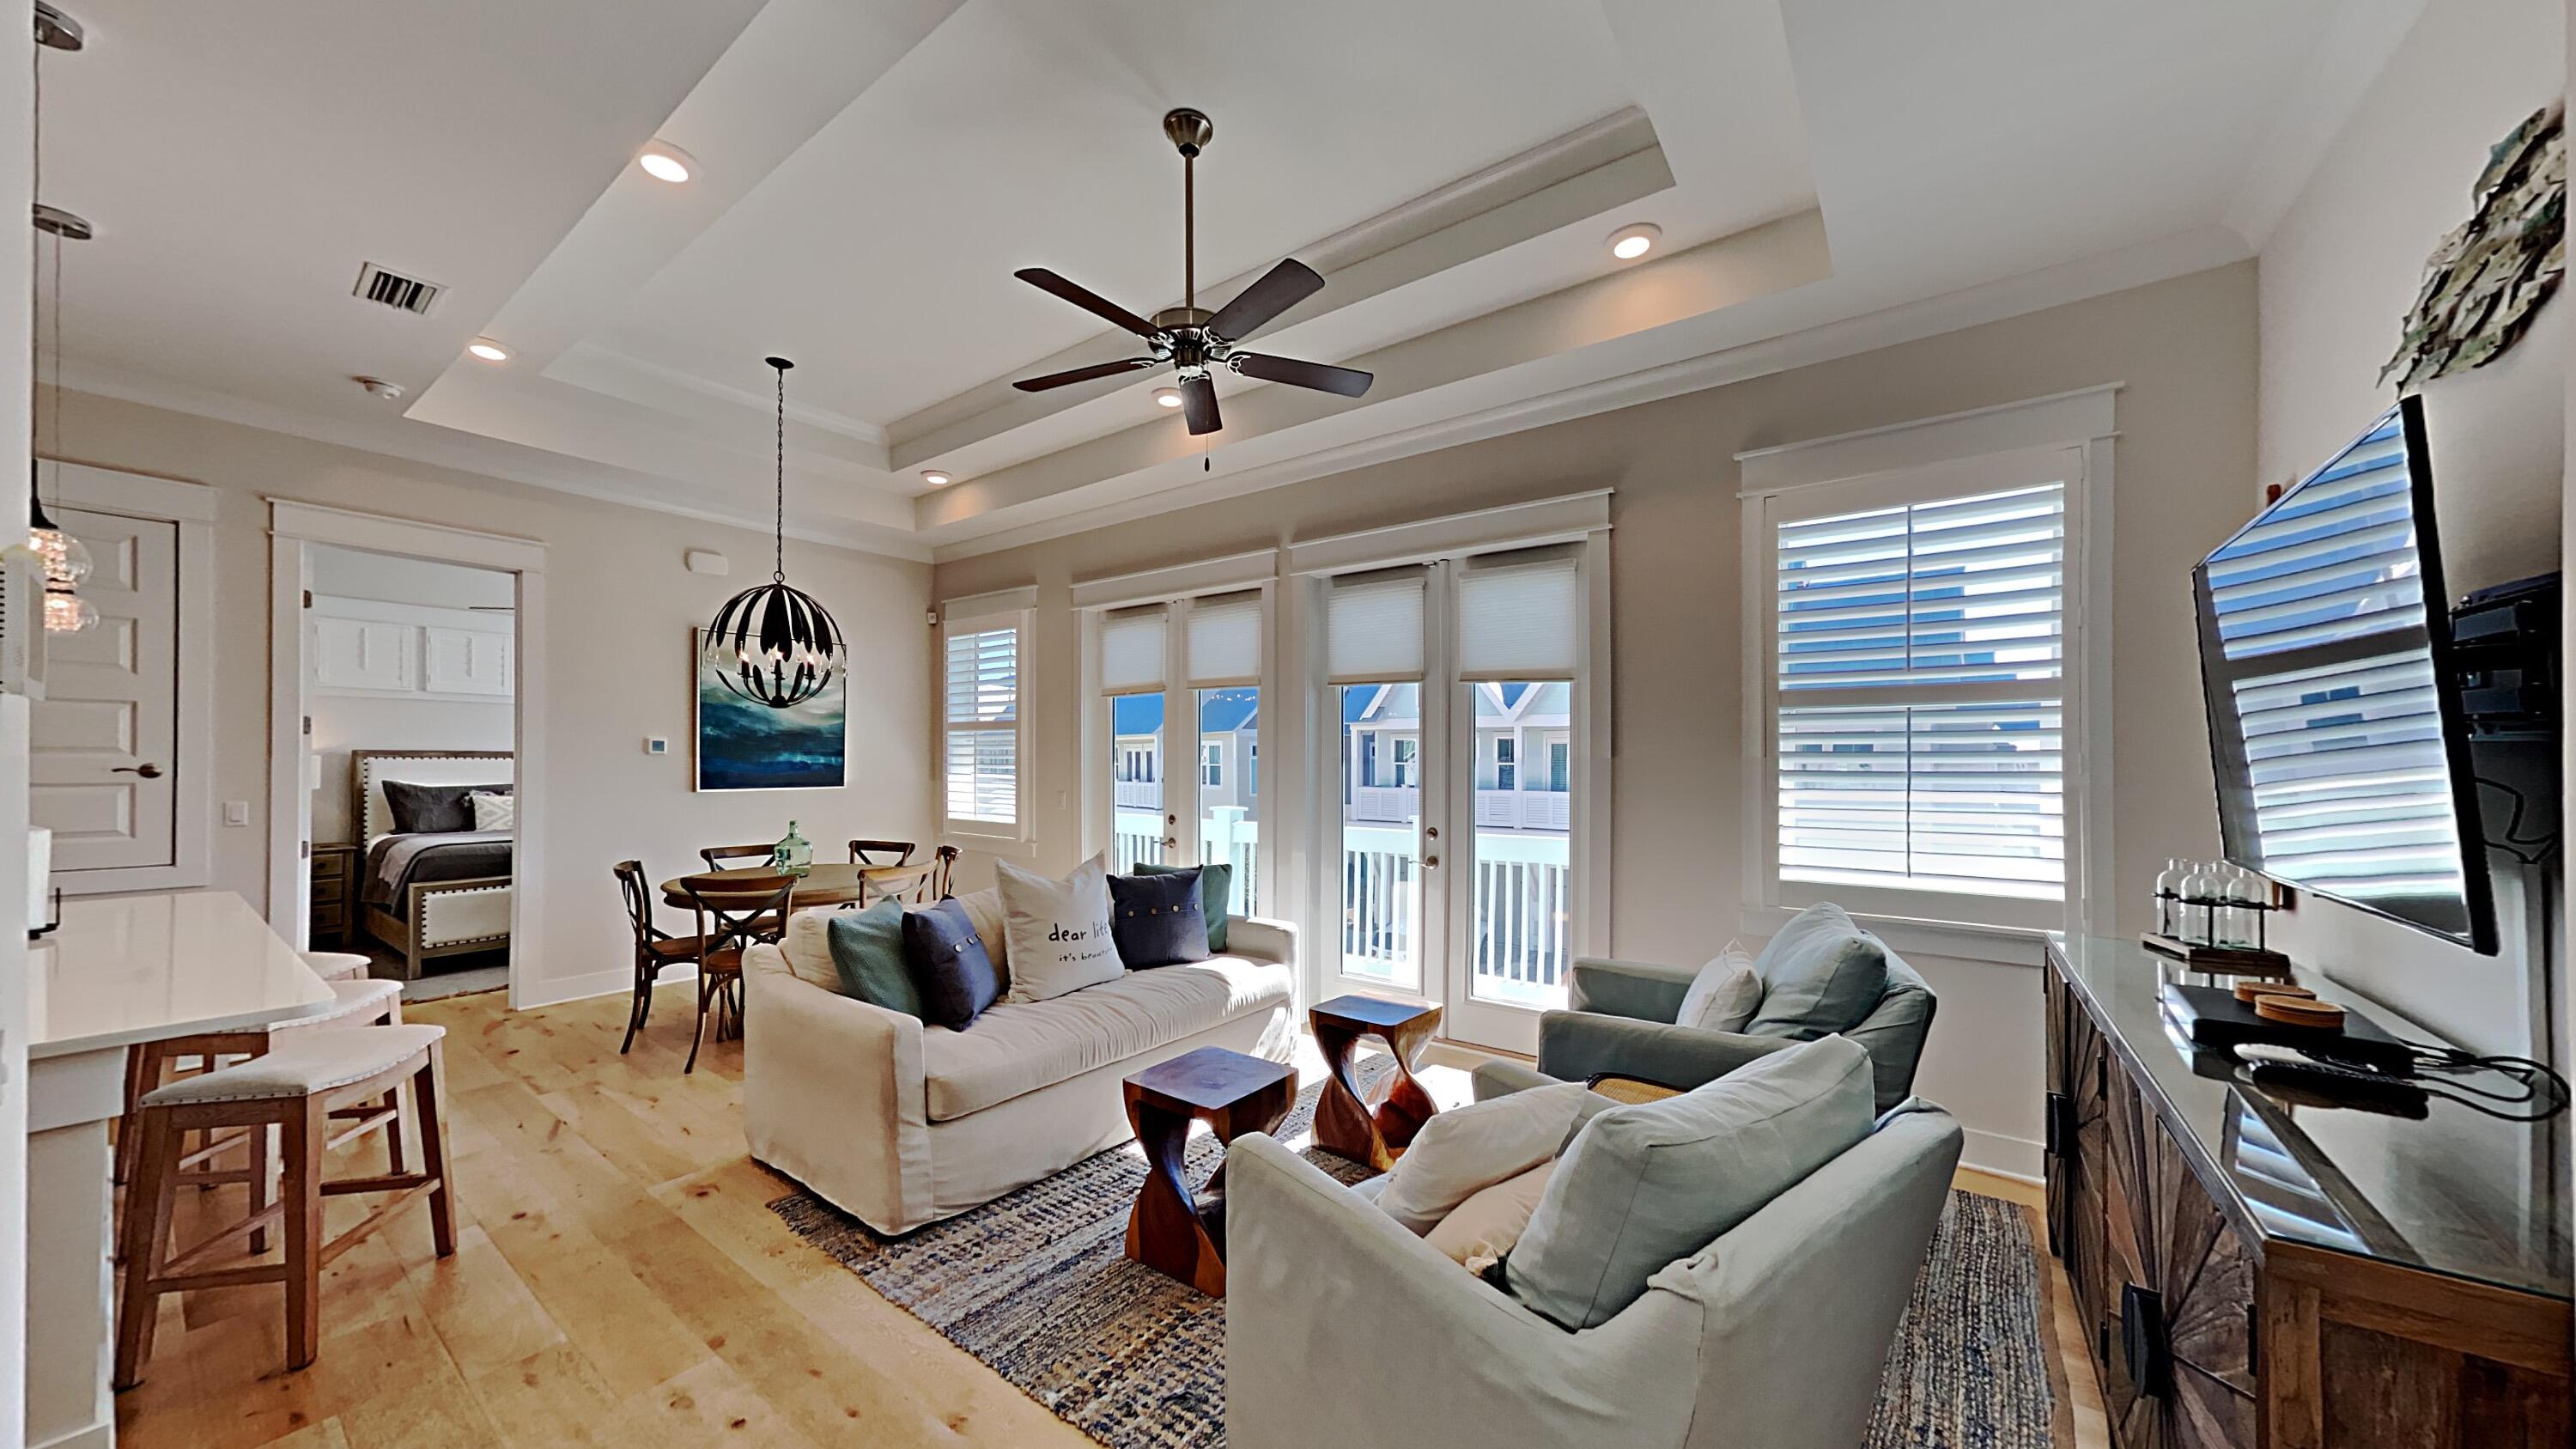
(369, 769)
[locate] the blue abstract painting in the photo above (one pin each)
(746, 745)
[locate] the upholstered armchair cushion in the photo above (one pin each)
(1821, 974)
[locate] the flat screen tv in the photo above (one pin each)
(2341, 755)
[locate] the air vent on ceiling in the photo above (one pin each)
(396, 290)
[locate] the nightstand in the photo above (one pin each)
(335, 894)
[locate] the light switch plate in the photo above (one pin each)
(237, 812)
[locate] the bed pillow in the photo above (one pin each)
(434, 809)
(949, 969)
(494, 812)
(1216, 888)
(1157, 920)
(1059, 930)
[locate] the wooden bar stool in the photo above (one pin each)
(339, 965)
(297, 1087)
(357, 1002)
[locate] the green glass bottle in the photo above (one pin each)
(794, 854)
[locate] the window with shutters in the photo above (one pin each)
(982, 737)
(1919, 696)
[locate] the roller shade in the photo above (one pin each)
(1131, 650)
(1374, 621)
(1225, 641)
(1518, 615)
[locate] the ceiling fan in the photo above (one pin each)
(1194, 340)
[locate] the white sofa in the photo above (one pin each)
(901, 1124)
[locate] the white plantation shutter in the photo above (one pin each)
(1131, 650)
(1920, 729)
(1518, 614)
(1225, 641)
(1374, 627)
(981, 708)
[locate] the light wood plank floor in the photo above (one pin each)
(618, 1280)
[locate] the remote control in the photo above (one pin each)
(2352, 1086)
(2258, 1052)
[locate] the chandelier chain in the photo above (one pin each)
(778, 559)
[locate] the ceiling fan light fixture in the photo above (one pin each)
(1168, 397)
(1631, 242)
(665, 162)
(937, 477)
(488, 350)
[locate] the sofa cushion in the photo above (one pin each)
(1157, 920)
(1467, 1149)
(1725, 995)
(1645, 1185)
(807, 945)
(1018, 1047)
(1216, 892)
(867, 946)
(949, 968)
(1478, 1232)
(1059, 930)
(1821, 975)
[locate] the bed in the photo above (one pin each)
(430, 894)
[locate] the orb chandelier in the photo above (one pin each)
(771, 643)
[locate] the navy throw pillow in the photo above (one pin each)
(949, 966)
(1216, 888)
(1158, 919)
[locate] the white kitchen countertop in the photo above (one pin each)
(127, 969)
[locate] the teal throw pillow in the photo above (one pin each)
(867, 946)
(1216, 887)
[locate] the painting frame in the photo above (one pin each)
(738, 746)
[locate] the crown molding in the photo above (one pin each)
(433, 446)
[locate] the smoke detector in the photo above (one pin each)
(380, 389)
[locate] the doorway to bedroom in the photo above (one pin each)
(400, 692)
(409, 684)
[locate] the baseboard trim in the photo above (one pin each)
(2012, 1157)
(526, 995)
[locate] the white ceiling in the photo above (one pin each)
(1826, 172)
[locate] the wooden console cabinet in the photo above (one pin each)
(2252, 1271)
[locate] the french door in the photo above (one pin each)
(1455, 705)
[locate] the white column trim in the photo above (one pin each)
(1209, 576)
(321, 523)
(2058, 420)
(1567, 519)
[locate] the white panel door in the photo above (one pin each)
(104, 745)
(465, 661)
(362, 653)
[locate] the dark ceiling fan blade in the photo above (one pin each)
(1198, 404)
(1084, 374)
(1280, 288)
(1322, 376)
(1083, 297)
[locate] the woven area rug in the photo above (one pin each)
(1037, 1285)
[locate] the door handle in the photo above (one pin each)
(1430, 862)
(147, 770)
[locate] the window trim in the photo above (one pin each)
(988, 834)
(1872, 468)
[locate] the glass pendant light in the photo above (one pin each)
(66, 560)
(771, 643)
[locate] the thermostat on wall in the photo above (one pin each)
(656, 745)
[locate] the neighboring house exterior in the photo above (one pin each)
(1524, 759)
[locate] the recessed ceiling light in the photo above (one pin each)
(937, 477)
(1169, 397)
(1631, 242)
(488, 350)
(665, 162)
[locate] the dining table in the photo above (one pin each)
(118, 971)
(826, 883)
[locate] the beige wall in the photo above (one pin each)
(619, 605)
(2337, 274)
(2184, 350)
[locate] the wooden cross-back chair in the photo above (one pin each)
(733, 913)
(930, 887)
(655, 948)
(716, 856)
